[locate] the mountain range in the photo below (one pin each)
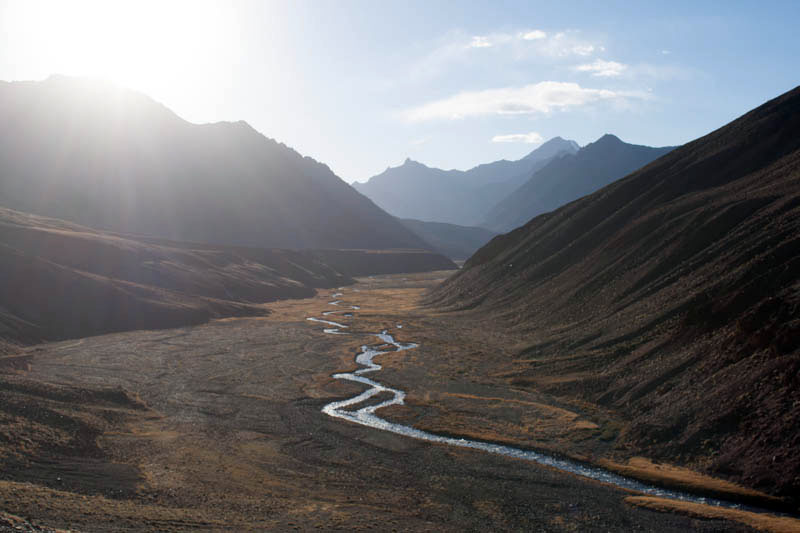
(116, 160)
(62, 280)
(567, 178)
(416, 191)
(671, 296)
(118, 215)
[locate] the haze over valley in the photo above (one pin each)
(293, 266)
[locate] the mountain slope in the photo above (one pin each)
(416, 191)
(62, 280)
(671, 296)
(115, 160)
(456, 242)
(570, 177)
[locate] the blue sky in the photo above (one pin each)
(361, 85)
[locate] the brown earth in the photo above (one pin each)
(218, 427)
(62, 280)
(670, 298)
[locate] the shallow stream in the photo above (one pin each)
(366, 416)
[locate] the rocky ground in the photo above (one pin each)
(219, 427)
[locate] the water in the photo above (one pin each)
(366, 416)
(334, 330)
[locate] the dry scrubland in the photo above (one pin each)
(218, 426)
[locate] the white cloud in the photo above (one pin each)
(480, 41)
(537, 42)
(542, 97)
(534, 35)
(583, 49)
(420, 141)
(457, 49)
(603, 69)
(665, 52)
(566, 43)
(529, 138)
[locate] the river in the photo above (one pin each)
(366, 416)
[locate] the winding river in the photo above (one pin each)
(366, 416)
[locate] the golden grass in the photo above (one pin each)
(761, 522)
(683, 478)
(536, 423)
(564, 414)
(521, 424)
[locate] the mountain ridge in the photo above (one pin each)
(63, 280)
(414, 190)
(567, 178)
(117, 160)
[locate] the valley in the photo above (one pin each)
(221, 426)
(399, 266)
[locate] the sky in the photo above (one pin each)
(362, 85)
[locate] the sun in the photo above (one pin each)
(143, 43)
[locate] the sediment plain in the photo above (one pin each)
(220, 427)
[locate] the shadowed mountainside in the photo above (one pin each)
(671, 296)
(369, 262)
(116, 160)
(61, 280)
(456, 242)
(416, 191)
(567, 178)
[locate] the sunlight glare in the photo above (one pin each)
(141, 43)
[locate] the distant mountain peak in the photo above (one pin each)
(412, 163)
(553, 147)
(609, 138)
(570, 177)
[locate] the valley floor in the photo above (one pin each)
(220, 427)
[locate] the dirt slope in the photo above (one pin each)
(671, 296)
(61, 280)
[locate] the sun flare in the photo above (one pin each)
(141, 43)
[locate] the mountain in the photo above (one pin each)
(567, 178)
(115, 160)
(672, 297)
(416, 191)
(62, 280)
(456, 242)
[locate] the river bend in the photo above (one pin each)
(366, 416)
